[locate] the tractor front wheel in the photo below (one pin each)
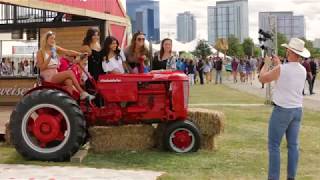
(182, 137)
(47, 125)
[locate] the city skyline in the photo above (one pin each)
(308, 8)
(286, 23)
(228, 18)
(144, 15)
(186, 27)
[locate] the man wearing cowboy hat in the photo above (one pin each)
(287, 112)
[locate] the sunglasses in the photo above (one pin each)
(141, 39)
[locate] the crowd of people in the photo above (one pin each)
(110, 58)
(23, 67)
(60, 65)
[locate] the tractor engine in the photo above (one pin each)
(146, 98)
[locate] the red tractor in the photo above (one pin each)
(51, 124)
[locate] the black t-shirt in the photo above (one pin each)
(190, 68)
(200, 66)
(157, 64)
(218, 65)
(313, 67)
(95, 64)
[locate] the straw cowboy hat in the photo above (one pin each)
(297, 46)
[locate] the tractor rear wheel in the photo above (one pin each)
(47, 125)
(182, 137)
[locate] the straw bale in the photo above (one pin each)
(7, 136)
(160, 130)
(209, 122)
(208, 143)
(129, 137)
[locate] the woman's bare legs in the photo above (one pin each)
(69, 85)
(61, 77)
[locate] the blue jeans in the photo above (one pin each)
(284, 121)
(218, 76)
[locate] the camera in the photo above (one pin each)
(266, 35)
(265, 40)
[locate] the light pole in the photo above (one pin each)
(268, 42)
(273, 50)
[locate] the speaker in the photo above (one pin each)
(32, 34)
(17, 34)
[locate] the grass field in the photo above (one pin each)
(242, 148)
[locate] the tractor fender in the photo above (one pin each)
(50, 87)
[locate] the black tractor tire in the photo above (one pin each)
(186, 125)
(72, 113)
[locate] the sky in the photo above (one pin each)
(170, 8)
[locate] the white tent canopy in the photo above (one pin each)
(178, 46)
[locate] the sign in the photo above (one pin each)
(24, 49)
(13, 89)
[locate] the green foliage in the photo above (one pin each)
(248, 47)
(257, 52)
(235, 47)
(314, 51)
(281, 40)
(202, 50)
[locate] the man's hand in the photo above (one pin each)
(276, 60)
(267, 61)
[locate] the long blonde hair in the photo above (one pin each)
(44, 41)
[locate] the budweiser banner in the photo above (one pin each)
(12, 90)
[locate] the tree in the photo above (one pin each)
(309, 45)
(202, 50)
(281, 40)
(257, 52)
(248, 47)
(235, 48)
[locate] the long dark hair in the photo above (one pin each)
(132, 46)
(88, 39)
(162, 48)
(106, 47)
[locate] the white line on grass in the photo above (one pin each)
(217, 104)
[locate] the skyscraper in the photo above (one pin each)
(228, 18)
(316, 43)
(287, 24)
(144, 15)
(186, 27)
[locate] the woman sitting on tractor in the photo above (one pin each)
(47, 62)
(136, 53)
(165, 59)
(113, 58)
(91, 45)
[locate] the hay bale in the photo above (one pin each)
(209, 122)
(129, 137)
(160, 129)
(207, 143)
(7, 136)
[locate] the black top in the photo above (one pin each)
(200, 66)
(95, 64)
(219, 65)
(190, 69)
(158, 65)
(313, 67)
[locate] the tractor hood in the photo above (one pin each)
(147, 77)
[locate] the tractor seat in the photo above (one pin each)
(74, 94)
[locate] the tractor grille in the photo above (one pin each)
(186, 93)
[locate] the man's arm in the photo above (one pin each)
(266, 75)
